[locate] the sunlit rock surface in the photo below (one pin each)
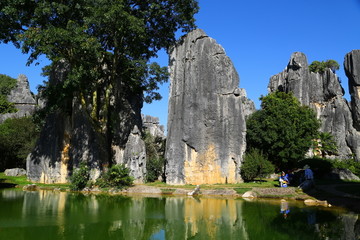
(22, 98)
(323, 93)
(206, 120)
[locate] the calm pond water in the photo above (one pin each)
(61, 215)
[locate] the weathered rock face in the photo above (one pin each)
(127, 144)
(67, 139)
(324, 94)
(82, 134)
(23, 99)
(206, 122)
(135, 156)
(352, 70)
(152, 125)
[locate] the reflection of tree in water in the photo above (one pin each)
(310, 224)
(76, 216)
(263, 221)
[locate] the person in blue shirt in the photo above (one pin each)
(284, 180)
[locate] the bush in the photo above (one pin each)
(117, 176)
(80, 177)
(349, 163)
(255, 165)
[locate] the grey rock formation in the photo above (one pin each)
(152, 125)
(23, 99)
(248, 104)
(206, 120)
(82, 134)
(343, 174)
(135, 156)
(67, 139)
(323, 93)
(14, 172)
(352, 70)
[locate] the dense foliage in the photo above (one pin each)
(104, 42)
(6, 85)
(255, 165)
(155, 157)
(118, 176)
(324, 145)
(283, 129)
(320, 67)
(80, 177)
(17, 139)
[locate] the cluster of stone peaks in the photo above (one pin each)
(206, 128)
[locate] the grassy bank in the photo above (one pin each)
(9, 181)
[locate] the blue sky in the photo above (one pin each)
(258, 36)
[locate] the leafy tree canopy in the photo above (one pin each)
(320, 67)
(283, 129)
(112, 40)
(17, 139)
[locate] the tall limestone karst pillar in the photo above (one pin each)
(352, 70)
(206, 123)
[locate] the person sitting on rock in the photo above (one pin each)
(284, 181)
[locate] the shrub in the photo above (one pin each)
(117, 176)
(80, 177)
(349, 163)
(255, 165)
(320, 67)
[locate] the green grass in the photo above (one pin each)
(22, 181)
(268, 183)
(242, 190)
(167, 190)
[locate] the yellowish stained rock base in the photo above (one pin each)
(204, 168)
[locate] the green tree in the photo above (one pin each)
(255, 165)
(17, 139)
(283, 129)
(320, 67)
(6, 85)
(105, 43)
(155, 157)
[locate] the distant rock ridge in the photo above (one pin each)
(206, 120)
(323, 93)
(152, 125)
(22, 98)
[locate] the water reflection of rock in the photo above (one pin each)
(213, 218)
(11, 194)
(61, 214)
